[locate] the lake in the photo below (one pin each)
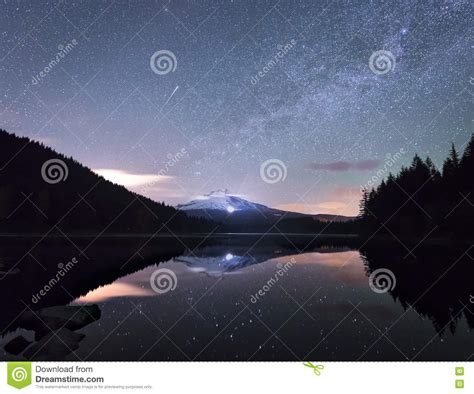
(234, 298)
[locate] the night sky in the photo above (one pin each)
(249, 81)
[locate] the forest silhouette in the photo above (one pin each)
(84, 203)
(87, 204)
(422, 200)
(419, 202)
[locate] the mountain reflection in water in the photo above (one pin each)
(237, 300)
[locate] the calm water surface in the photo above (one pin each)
(277, 304)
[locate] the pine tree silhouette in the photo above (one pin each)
(420, 199)
(84, 203)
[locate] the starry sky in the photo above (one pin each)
(246, 82)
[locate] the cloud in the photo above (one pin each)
(340, 166)
(129, 179)
(154, 186)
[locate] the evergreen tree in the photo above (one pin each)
(420, 198)
(363, 204)
(468, 156)
(466, 167)
(453, 155)
(451, 165)
(434, 173)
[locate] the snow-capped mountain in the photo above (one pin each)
(221, 205)
(220, 200)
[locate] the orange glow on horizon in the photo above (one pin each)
(114, 290)
(327, 207)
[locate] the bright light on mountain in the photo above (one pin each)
(229, 256)
(230, 209)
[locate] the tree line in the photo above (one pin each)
(422, 200)
(83, 203)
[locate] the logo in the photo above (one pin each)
(162, 62)
(382, 280)
(163, 280)
(316, 368)
(19, 374)
(273, 171)
(459, 383)
(382, 62)
(54, 171)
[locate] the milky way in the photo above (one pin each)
(247, 82)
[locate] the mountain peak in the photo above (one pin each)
(220, 200)
(220, 204)
(218, 193)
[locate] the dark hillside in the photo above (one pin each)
(37, 199)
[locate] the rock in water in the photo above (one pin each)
(53, 318)
(72, 317)
(17, 345)
(54, 346)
